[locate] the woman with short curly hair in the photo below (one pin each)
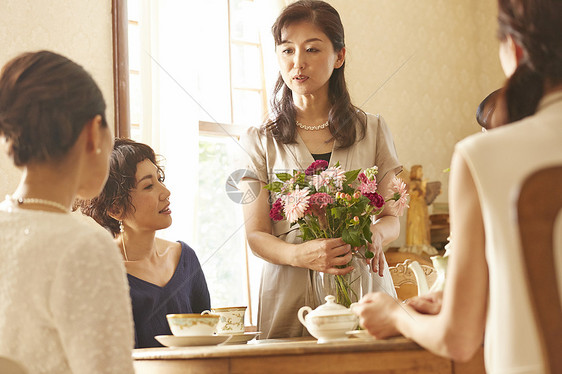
(164, 277)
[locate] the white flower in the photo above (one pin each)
(318, 181)
(371, 172)
(330, 175)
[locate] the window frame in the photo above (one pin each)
(122, 116)
(121, 100)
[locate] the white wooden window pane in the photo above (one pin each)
(243, 20)
(134, 10)
(220, 224)
(247, 107)
(221, 129)
(134, 47)
(246, 66)
(207, 45)
(135, 98)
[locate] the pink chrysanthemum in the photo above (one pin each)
(276, 212)
(399, 194)
(316, 167)
(296, 204)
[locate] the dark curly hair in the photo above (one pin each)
(536, 26)
(116, 195)
(343, 114)
(45, 102)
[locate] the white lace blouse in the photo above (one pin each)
(64, 300)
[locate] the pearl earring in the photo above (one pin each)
(122, 230)
(98, 151)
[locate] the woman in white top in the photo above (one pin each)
(64, 302)
(486, 297)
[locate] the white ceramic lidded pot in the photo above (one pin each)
(329, 322)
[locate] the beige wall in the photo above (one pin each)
(430, 103)
(78, 29)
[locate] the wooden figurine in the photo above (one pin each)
(422, 194)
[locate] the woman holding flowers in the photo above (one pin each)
(486, 295)
(313, 119)
(164, 277)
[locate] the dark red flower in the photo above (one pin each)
(316, 167)
(276, 212)
(362, 178)
(376, 200)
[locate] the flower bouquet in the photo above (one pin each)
(328, 202)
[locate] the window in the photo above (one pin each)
(197, 78)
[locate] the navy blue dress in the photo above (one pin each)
(186, 292)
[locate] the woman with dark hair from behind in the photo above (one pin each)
(312, 119)
(485, 295)
(164, 277)
(64, 305)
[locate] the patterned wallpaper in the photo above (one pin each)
(425, 66)
(78, 29)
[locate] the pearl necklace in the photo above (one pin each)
(30, 200)
(312, 128)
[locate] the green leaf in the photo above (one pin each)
(284, 176)
(351, 175)
(274, 186)
(306, 233)
(357, 239)
(338, 212)
(352, 236)
(346, 236)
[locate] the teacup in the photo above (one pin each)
(231, 319)
(193, 324)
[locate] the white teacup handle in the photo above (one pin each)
(206, 312)
(300, 314)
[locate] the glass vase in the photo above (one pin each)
(348, 288)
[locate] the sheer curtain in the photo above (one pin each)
(184, 60)
(177, 50)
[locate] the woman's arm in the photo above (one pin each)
(320, 254)
(458, 330)
(430, 303)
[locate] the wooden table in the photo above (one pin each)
(398, 355)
